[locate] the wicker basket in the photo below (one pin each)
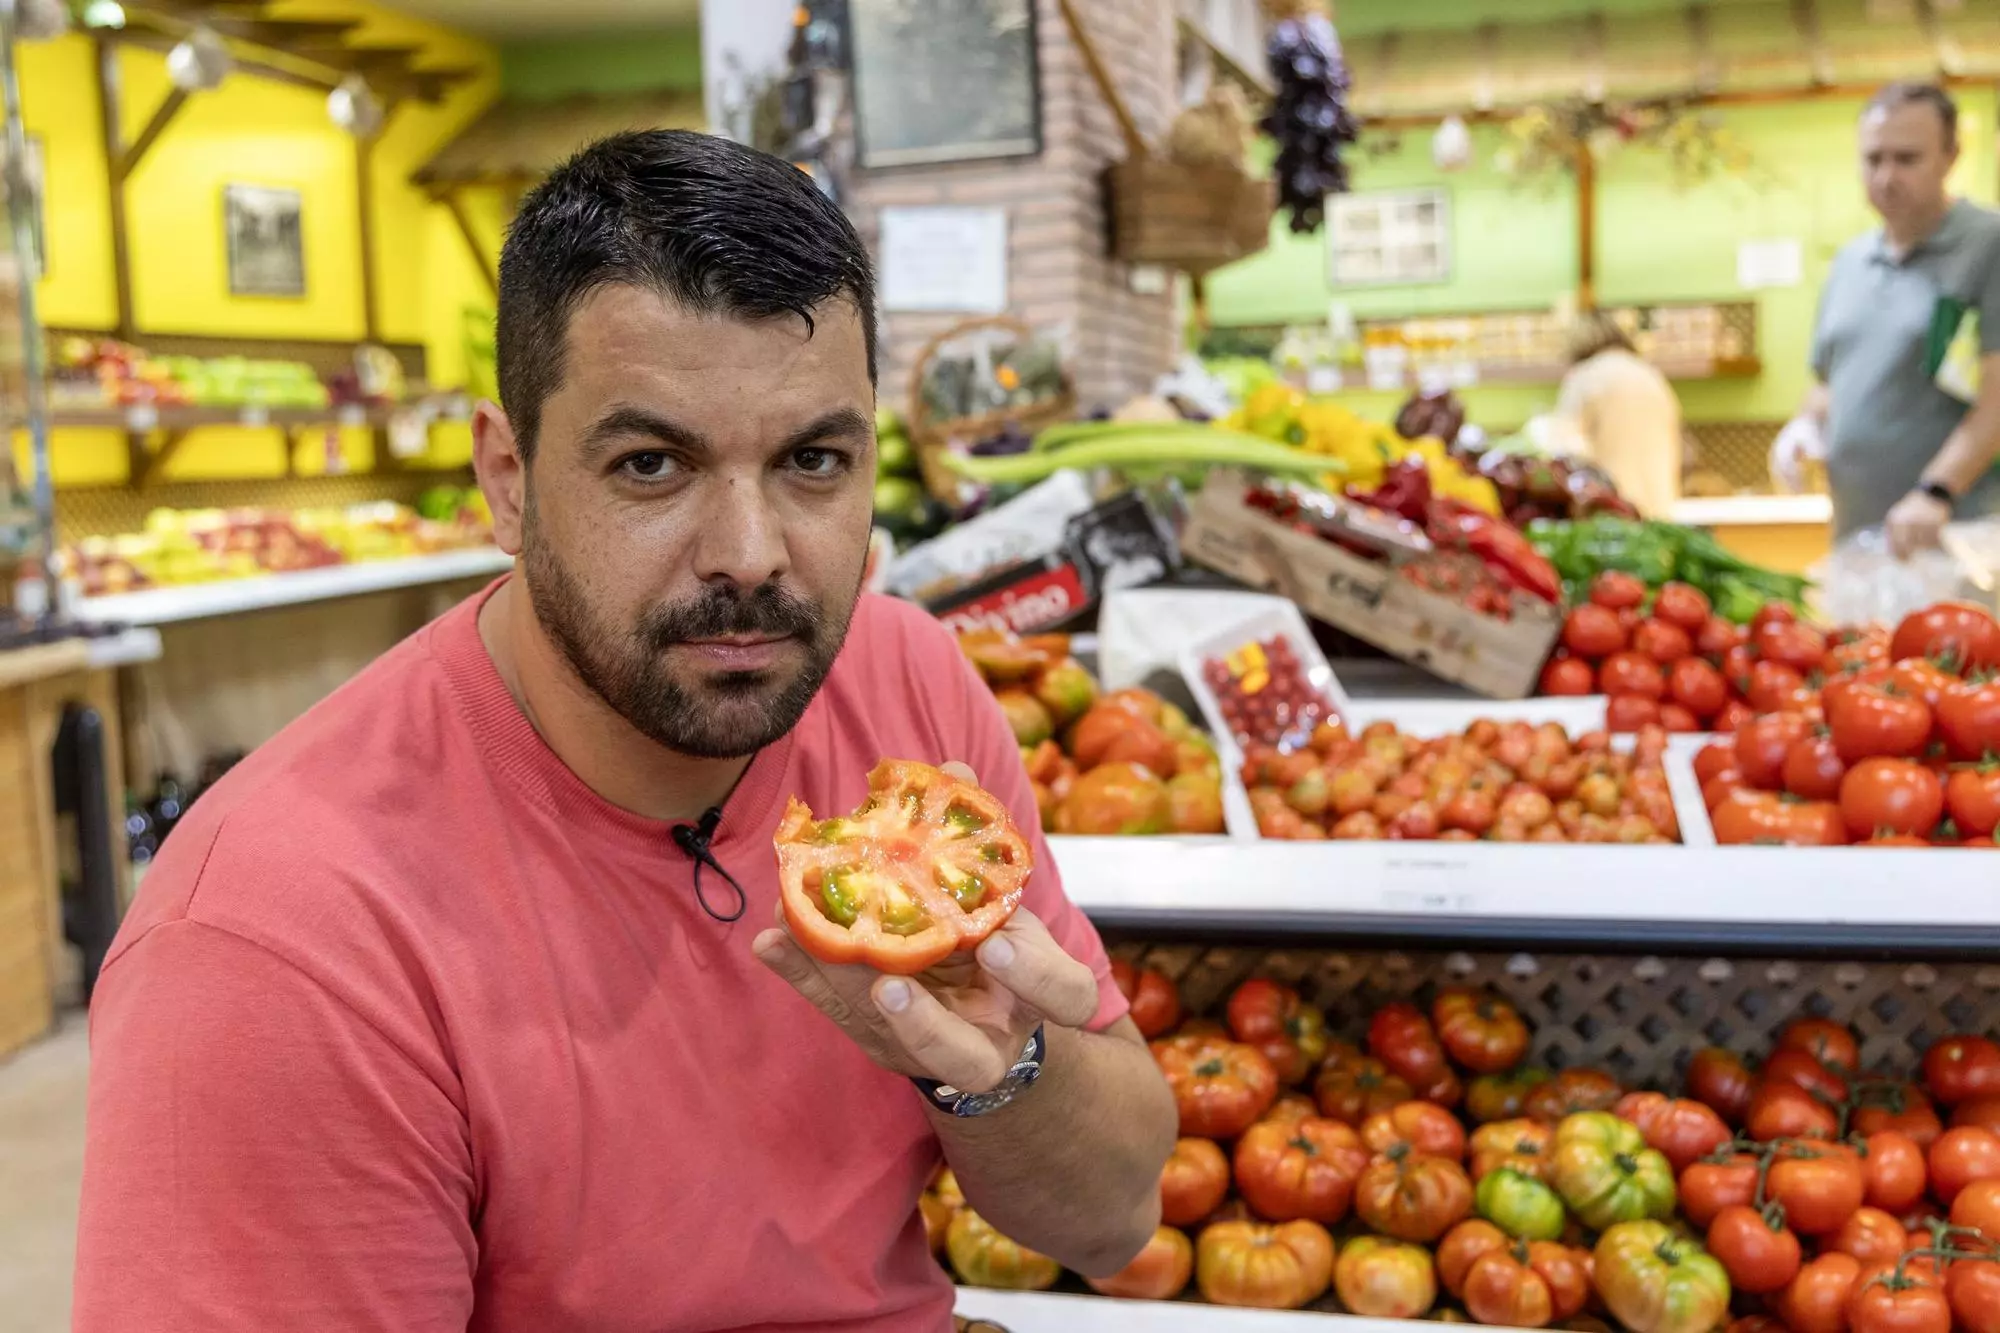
(932, 434)
(1192, 218)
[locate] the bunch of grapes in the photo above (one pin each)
(1310, 118)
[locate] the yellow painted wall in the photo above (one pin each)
(254, 131)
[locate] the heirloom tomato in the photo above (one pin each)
(982, 1257)
(1503, 1288)
(1402, 1038)
(1250, 1264)
(1721, 1081)
(1781, 1110)
(1493, 1097)
(1681, 1130)
(1519, 1145)
(1519, 1204)
(1571, 1091)
(1155, 1000)
(1461, 1248)
(1412, 1197)
(1655, 1281)
(1802, 1070)
(1220, 1087)
(1289, 1109)
(1272, 1017)
(1160, 1273)
(1482, 1032)
(1302, 1170)
(1423, 1127)
(1385, 1279)
(1193, 1183)
(1826, 1041)
(1353, 1090)
(1605, 1172)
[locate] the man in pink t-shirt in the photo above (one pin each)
(460, 1004)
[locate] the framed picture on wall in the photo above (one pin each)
(945, 83)
(1389, 238)
(266, 246)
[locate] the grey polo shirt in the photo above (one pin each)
(1887, 419)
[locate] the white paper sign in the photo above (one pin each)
(945, 259)
(1766, 264)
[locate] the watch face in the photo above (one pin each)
(979, 1103)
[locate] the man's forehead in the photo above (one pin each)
(1908, 125)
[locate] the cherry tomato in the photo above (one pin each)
(1684, 605)
(1592, 631)
(1567, 676)
(1697, 687)
(1761, 747)
(1957, 632)
(1720, 1080)
(1813, 767)
(1664, 643)
(1773, 686)
(1890, 796)
(1961, 1156)
(1617, 590)
(1626, 713)
(1816, 1300)
(1759, 1253)
(1961, 1067)
(1878, 720)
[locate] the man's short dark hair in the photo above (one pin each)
(1898, 95)
(716, 227)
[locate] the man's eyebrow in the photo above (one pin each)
(623, 422)
(837, 424)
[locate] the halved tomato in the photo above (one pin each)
(927, 866)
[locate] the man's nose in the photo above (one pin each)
(742, 535)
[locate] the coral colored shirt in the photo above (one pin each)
(409, 1030)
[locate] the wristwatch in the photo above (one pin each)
(1938, 491)
(958, 1102)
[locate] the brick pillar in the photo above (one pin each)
(1060, 278)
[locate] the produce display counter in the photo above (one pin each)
(1047, 1312)
(226, 597)
(1789, 533)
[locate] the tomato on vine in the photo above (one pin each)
(1758, 1251)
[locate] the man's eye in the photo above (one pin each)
(819, 462)
(647, 466)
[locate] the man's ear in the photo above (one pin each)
(502, 472)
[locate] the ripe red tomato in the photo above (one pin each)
(1220, 1087)
(1353, 1090)
(1663, 642)
(1567, 676)
(1684, 605)
(1717, 636)
(1159, 1273)
(1816, 1300)
(1463, 1246)
(1883, 1302)
(1680, 1129)
(1891, 796)
(1893, 1170)
(1898, 1107)
(1972, 799)
(1800, 647)
(1781, 1110)
(1155, 1000)
(1571, 1091)
(866, 888)
(1616, 589)
(1402, 1038)
(1820, 1187)
(1412, 1197)
(1745, 816)
(1978, 1206)
(1870, 1235)
(1419, 1126)
(1632, 673)
(1968, 718)
(1981, 1111)
(1272, 1017)
(1706, 1188)
(1592, 631)
(1960, 1067)
(1626, 713)
(1793, 1065)
(1306, 1169)
(1712, 759)
(1193, 1183)
(1923, 679)
(1760, 1254)
(1957, 632)
(1773, 686)
(1974, 1292)
(1878, 720)
(1961, 1156)
(1716, 790)
(1697, 687)
(1483, 1033)
(1678, 720)
(1761, 747)
(1721, 1081)
(1813, 767)
(1501, 1288)
(1735, 715)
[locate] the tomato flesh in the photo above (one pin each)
(928, 865)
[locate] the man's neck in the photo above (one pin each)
(626, 768)
(1913, 231)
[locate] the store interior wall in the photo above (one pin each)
(1514, 244)
(623, 62)
(260, 132)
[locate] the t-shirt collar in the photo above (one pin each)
(1949, 228)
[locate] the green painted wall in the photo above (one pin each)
(1365, 17)
(1514, 246)
(624, 62)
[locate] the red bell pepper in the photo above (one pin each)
(1452, 525)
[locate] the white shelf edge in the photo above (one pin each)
(228, 597)
(1752, 511)
(1053, 1312)
(130, 647)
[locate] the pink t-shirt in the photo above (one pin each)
(409, 1030)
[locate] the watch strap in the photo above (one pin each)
(956, 1101)
(1938, 491)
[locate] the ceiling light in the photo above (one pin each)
(354, 107)
(199, 62)
(103, 14)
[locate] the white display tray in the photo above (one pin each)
(1044, 1312)
(228, 597)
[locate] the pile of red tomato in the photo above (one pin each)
(1498, 781)
(1429, 1165)
(1894, 742)
(1677, 665)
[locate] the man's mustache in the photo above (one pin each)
(767, 610)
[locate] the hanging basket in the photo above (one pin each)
(1192, 218)
(932, 432)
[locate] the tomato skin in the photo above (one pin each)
(1462, 1247)
(1706, 1188)
(1968, 718)
(1483, 1033)
(1263, 1267)
(1698, 687)
(1761, 747)
(1894, 1171)
(1665, 643)
(1981, 1111)
(1782, 1110)
(1870, 721)
(1721, 1081)
(1831, 1044)
(1382, 1279)
(1684, 605)
(1959, 631)
(1682, 1130)
(1402, 1038)
(1571, 1091)
(1302, 1170)
(1605, 1172)
(1155, 1000)
(1890, 796)
(1159, 1273)
(1627, 713)
(1567, 676)
(1870, 1235)
(1819, 1187)
(1973, 1289)
(1717, 636)
(1220, 1087)
(1735, 715)
(1816, 1300)
(1972, 799)
(1193, 1183)
(1960, 1067)
(1813, 768)
(1516, 1145)
(1632, 673)
(1901, 1108)
(983, 1257)
(1773, 686)
(1978, 1206)
(1497, 1097)
(1745, 816)
(1713, 758)
(1519, 1204)
(1800, 647)
(1502, 1289)
(1616, 590)
(1421, 1126)
(1882, 1303)
(1272, 1017)
(1656, 1282)
(1593, 631)
(1961, 1156)
(1412, 1197)
(1758, 1256)
(1790, 1065)
(1353, 1091)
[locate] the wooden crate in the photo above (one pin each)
(1193, 218)
(1366, 598)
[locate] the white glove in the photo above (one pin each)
(1800, 440)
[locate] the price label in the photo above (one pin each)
(1428, 883)
(1323, 379)
(352, 414)
(143, 417)
(255, 414)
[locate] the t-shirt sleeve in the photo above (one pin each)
(1987, 295)
(992, 753)
(261, 1157)
(1822, 346)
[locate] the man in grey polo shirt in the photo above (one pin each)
(1900, 452)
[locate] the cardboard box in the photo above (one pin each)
(1501, 659)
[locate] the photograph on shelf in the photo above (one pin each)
(1389, 238)
(913, 65)
(266, 240)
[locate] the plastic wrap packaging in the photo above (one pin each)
(1861, 581)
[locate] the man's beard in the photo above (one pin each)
(723, 716)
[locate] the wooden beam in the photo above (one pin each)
(147, 463)
(135, 153)
(1805, 18)
(1586, 227)
(113, 139)
(1485, 84)
(364, 204)
(1701, 36)
(454, 203)
(1135, 143)
(1950, 55)
(1595, 84)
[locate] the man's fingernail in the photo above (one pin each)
(997, 952)
(894, 996)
